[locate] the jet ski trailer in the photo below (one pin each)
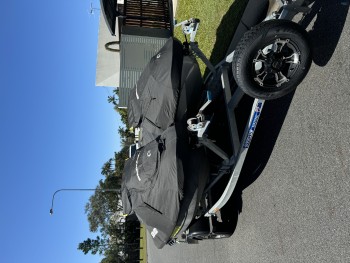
(269, 61)
(272, 56)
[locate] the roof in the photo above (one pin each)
(109, 11)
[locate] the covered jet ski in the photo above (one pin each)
(153, 100)
(165, 178)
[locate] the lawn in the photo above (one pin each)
(218, 23)
(143, 244)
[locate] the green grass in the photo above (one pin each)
(143, 244)
(218, 22)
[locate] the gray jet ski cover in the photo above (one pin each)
(153, 178)
(153, 101)
(153, 185)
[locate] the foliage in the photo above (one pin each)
(93, 246)
(103, 203)
(104, 207)
(104, 216)
(119, 160)
(123, 115)
(115, 166)
(127, 136)
(113, 253)
(122, 111)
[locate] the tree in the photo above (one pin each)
(107, 168)
(127, 136)
(93, 246)
(122, 111)
(103, 204)
(114, 255)
(115, 166)
(123, 115)
(112, 99)
(119, 160)
(103, 208)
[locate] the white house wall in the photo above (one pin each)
(108, 62)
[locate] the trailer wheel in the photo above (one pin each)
(271, 59)
(222, 230)
(200, 229)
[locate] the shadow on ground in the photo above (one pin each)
(329, 18)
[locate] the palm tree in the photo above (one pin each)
(107, 168)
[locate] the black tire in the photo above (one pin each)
(200, 229)
(222, 230)
(272, 59)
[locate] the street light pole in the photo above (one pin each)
(78, 189)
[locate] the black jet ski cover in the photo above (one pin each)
(153, 101)
(153, 184)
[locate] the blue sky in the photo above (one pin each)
(56, 130)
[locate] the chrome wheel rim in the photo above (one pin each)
(276, 63)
